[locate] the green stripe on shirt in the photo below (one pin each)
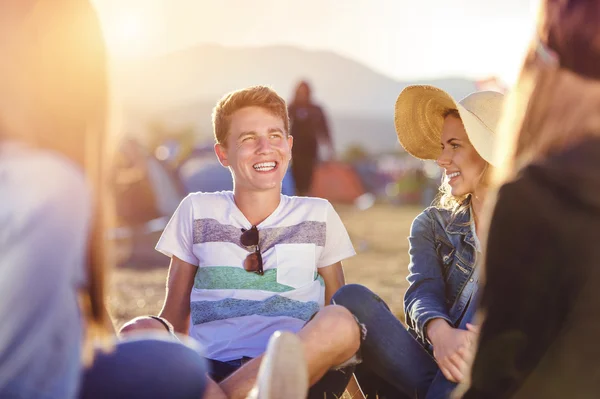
(235, 278)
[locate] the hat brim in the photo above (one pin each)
(419, 118)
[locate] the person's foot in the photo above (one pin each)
(283, 372)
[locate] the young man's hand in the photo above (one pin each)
(453, 348)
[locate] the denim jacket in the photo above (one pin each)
(441, 271)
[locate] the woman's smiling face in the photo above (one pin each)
(463, 165)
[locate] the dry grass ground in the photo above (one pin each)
(379, 235)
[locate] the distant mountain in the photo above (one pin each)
(182, 87)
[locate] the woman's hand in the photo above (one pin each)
(453, 348)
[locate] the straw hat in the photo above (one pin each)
(419, 117)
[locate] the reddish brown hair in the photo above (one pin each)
(556, 100)
(254, 96)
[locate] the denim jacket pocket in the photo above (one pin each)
(446, 254)
(457, 277)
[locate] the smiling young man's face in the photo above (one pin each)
(257, 150)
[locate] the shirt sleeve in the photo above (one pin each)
(178, 237)
(337, 242)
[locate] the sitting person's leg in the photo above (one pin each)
(331, 338)
(146, 367)
(388, 350)
(283, 372)
(332, 385)
(373, 386)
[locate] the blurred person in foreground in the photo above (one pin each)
(54, 115)
(310, 131)
(249, 262)
(54, 119)
(431, 356)
(541, 298)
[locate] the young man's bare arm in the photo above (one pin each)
(177, 301)
(333, 276)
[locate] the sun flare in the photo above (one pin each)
(126, 35)
(132, 29)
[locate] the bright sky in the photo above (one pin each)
(404, 39)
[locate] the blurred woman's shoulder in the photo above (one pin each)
(569, 177)
(30, 176)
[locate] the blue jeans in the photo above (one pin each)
(391, 355)
(146, 367)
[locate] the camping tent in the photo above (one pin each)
(336, 182)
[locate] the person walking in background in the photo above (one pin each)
(541, 300)
(310, 130)
(431, 356)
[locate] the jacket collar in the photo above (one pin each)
(461, 224)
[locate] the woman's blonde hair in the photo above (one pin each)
(55, 96)
(556, 100)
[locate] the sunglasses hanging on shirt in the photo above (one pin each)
(253, 262)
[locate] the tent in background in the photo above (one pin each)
(336, 182)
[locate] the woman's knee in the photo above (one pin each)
(358, 299)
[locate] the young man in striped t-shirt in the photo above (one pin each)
(247, 263)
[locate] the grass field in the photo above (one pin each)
(379, 235)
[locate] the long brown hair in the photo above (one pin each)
(55, 96)
(556, 101)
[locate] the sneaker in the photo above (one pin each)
(283, 372)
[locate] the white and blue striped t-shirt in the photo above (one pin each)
(234, 312)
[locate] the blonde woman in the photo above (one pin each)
(430, 357)
(541, 300)
(53, 130)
